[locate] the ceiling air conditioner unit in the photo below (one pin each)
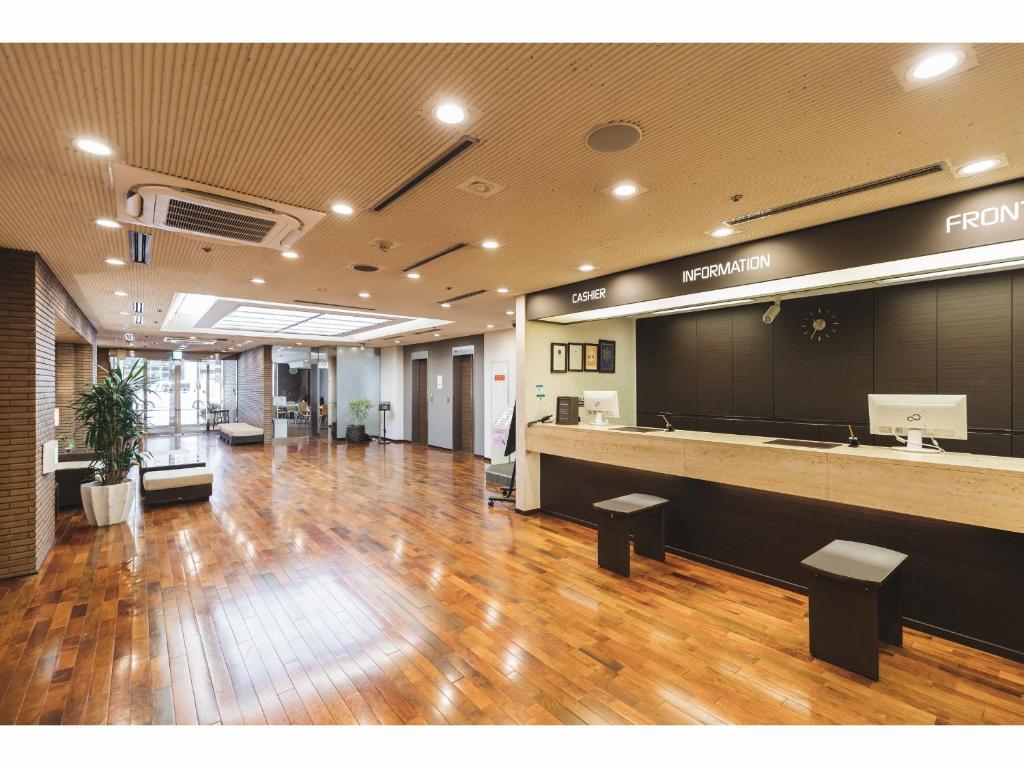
(198, 210)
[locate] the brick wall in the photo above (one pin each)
(255, 389)
(75, 370)
(31, 300)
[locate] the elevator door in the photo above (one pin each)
(462, 403)
(419, 401)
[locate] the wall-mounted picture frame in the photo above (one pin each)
(606, 356)
(559, 357)
(575, 357)
(590, 357)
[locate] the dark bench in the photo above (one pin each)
(645, 515)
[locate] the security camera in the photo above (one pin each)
(771, 313)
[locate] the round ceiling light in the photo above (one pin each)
(93, 147)
(490, 325)
(503, 290)
(343, 208)
(436, 335)
(114, 262)
(614, 137)
(120, 293)
(723, 232)
(445, 305)
(449, 113)
(413, 275)
(586, 267)
(290, 254)
(978, 166)
(509, 312)
(625, 189)
(257, 280)
(364, 295)
(364, 268)
(490, 244)
(108, 223)
(936, 64)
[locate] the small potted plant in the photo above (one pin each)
(113, 414)
(356, 431)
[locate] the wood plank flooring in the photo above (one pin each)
(333, 584)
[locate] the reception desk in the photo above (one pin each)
(759, 507)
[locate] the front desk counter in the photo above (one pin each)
(758, 508)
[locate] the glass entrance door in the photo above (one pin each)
(162, 401)
(182, 392)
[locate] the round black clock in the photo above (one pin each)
(820, 324)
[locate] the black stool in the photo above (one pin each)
(614, 516)
(855, 599)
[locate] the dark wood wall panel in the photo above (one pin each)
(679, 364)
(973, 346)
(1017, 351)
(824, 380)
(714, 363)
(752, 385)
(905, 336)
(651, 347)
(768, 534)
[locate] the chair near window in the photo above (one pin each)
(303, 413)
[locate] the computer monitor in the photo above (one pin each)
(602, 403)
(909, 418)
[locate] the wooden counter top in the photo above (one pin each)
(959, 487)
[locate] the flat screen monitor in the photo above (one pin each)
(602, 403)
(916, 416)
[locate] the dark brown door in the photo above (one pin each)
(462, 403)
(419, 401)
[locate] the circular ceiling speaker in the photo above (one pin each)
(364, 268)
(614, 137)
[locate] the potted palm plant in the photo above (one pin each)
(356, 431)
(113, 414)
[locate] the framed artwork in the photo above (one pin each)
(559, 355)
(606, 356)
(590, 357)
(575, 357)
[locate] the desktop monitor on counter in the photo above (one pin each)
(909, 418)
(602, 403)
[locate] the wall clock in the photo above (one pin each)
(820, 324)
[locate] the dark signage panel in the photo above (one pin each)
(964, 220)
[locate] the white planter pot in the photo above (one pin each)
(108, 504)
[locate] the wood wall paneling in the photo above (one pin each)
(1017, 352)
(679, 364)
(752, 385)
(905, 339)
(714, 363)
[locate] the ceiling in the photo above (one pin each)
(309, 125)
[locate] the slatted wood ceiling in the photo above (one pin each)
(311, 124)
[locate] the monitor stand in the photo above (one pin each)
(915, 444)
(599, 419)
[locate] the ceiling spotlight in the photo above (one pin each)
(120, 293)
(364, 295)
(192, 337)
(503, 290)
(413, 275)
(490, 244)
(257, 280)
(490, 325)
(436, 335)
(108, 223)
(979, 166)
(124, 313)
(290, 254)
(445, 305)
(343, 208)
(935, 64)
(625, 189)
(722, 232)
(586, 267)
(397, 341)
(509, 312)
(93, 147)
(449, 113)
(114, 262)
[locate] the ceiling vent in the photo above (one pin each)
(438, 255)
(462, 296)
(867, 185)
(426, 172)
(140, 247)
(197, 210)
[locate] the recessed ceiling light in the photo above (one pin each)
(436, 335)
(935, 64)
(114, 262)
(108, 223)
(978, 166)
(722, 232)
(490, 244)
(509, 312)
(364, 295)
(343, 208)
(449, 113)
(397, 341)
(503, 290)
(490, 325)
(93, 147)
(446, 305)
(586, 267)
(124, 313)
(290, 254)
(191, 337)
(120, 293)
(413, 275)
(257, 280)
(625, 189)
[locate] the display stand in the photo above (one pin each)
(383, 407)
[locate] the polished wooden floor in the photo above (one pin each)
(325, 584)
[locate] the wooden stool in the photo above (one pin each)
(614, 516)
(855, 599)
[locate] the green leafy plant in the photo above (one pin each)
(113, 414)
(359, 409)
